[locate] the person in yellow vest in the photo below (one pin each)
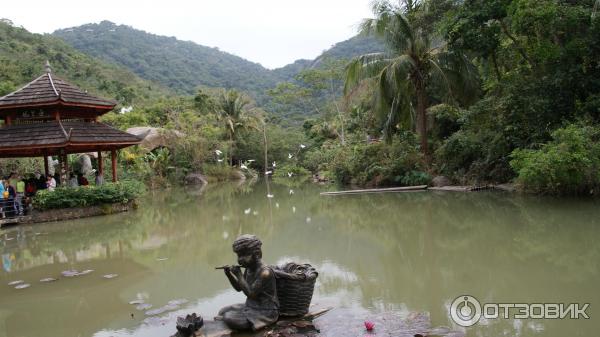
(20, 195)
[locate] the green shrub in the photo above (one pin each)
(376, 164)
(108, 193)
(569, 164)
(296, 171)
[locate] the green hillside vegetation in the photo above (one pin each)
(23, 56)
(179, 65)
(184, 66)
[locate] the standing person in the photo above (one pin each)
(5, 192)
(12, 196)
(13, 179)
(51, 183)
(99, 179)
(20, 194)
(2, 199)
(41, 182)
(82, 180)
(73, 181)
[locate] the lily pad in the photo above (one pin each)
(156, 311)
(70, 273)
(48, 279)
(144, 306)
(178, 301)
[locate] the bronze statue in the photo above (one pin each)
(258, 284)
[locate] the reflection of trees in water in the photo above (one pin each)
(483, 243)
(421, 249)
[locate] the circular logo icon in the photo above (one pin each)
(465, 310)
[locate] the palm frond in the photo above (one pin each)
(362, 67)
(459, 75)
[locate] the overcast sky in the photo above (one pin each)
(270, 32)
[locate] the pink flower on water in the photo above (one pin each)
(369, 325)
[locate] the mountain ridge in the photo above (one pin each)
(184, 66)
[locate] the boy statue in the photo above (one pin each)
(258, 284)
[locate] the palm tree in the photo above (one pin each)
(232, 110)
(404, 74)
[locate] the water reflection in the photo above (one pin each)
(405, 252)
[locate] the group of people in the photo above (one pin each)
(17, 192)
(13, 190)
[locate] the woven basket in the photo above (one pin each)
(295, 286)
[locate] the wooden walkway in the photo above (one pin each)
(379, 190)
(504, 187)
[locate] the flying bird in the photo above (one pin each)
(290, 174)
(302, 146)
(290, 156)
(218, 152)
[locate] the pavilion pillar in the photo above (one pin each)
(100, 164)
(46, 168)
(64, 168)
(113, 157)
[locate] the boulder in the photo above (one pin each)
(440, 181)
(154, 137)
(195, 179)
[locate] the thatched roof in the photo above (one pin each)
(48, 90)
(38, 139)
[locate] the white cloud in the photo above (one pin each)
(271, 32)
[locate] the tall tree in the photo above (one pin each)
(405, 72)
(232, 110)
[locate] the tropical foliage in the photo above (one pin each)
(107, 193)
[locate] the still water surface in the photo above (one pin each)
(406, 252)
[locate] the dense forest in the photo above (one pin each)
(477, 91)
(23, 56)
(183, 65)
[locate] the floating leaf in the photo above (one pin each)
(48, 279)
(144, 306)
(178, 301)
(153, 312)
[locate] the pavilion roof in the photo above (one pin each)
(50, 90)
(54, 137)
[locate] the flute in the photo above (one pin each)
(223, 267)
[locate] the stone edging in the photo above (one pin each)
(77, 212)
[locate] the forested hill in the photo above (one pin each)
(180, 65)
(184, 65)
(23, 56)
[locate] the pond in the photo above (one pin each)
(399, 252)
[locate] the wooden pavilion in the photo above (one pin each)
(50, 117)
